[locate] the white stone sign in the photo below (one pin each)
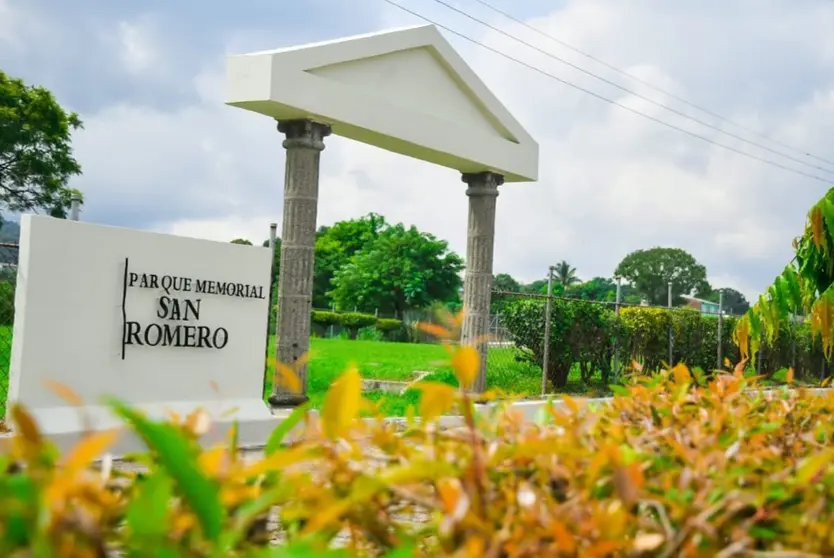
(165, 323)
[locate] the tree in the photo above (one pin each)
(335, 246)
(243, 241)
(650, 271)
(565, 274)
(402, 269)
(505, 282)
(735, 303)
(598, 288)
(36, 161)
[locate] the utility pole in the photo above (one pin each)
(670, 324)
(548, 309)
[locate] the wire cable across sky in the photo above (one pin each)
(608, 100)
(647, 84)
(632, 92)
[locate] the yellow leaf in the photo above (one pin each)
(64, 392)
(637, 366)
(341, 403)
(276, 461)
(817, 222)
(563, 537)
(89, 449)
(826, 381)
(434, 330)
(811, 466)
(286, 378)
(602, 548)
(681, 373)
(436, 399)
(26, 426)
(452, 497)
(212, 461)
(466, 362)
(789, 376)
(198, 422)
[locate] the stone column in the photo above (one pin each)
(304, 143)
(477, 283)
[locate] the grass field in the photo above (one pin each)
(399, 361)
(380, 360)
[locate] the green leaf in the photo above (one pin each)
(21, 494)
(147, 514)
(275, 440)
(177, 458)
(406, 550)
(299, 549)
(619, 390)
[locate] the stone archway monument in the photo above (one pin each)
(406, 91)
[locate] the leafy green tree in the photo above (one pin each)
(36, 160)
(503, 283)
(243, 241)
(401, 269)
(598, 288)
(734, 302)
(650, 271)
(335, 246)
(565, 274)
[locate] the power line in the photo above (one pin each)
(606, 99)
(630, 91)
(647, 84)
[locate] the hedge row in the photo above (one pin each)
(590, 336)
(355, 321)
(665, 469)
(352, 322)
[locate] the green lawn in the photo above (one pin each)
(399, 361)
(389, 361)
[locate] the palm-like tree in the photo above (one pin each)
(565, 274)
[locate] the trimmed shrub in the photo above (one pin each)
(354, 321)
(668, 468)
(588, 336)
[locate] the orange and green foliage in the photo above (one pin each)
(675, 465)
(804, 288)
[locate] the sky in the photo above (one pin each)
(160, 150)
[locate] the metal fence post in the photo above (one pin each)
(273, 234)
(617, 300)
(548, 309)
(671, 358)
(75, 207)
(720, 329)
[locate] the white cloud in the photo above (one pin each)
(137, 48)
(611, 182)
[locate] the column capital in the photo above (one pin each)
(304, 134)
(482, 183)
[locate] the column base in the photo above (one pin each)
(284, 400)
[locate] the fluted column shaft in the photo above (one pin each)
(304, 143)
(477, 283)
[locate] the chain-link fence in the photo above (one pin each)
(8, 279)
(591, 344)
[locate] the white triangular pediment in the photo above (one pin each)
(407, 91)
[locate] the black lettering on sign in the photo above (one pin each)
(178, 310)
(176, 335)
